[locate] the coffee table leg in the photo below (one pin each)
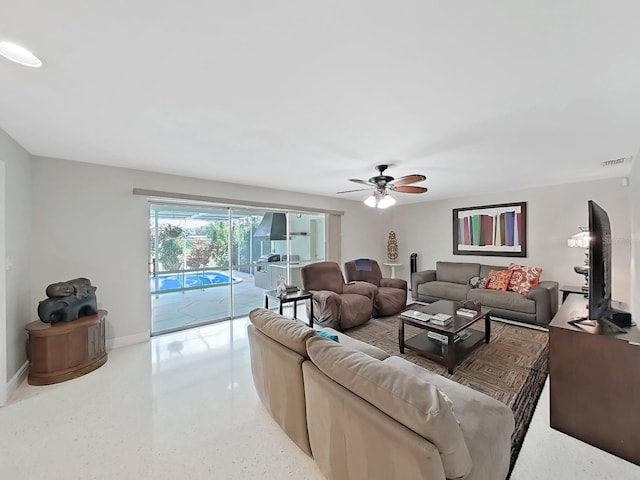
(266, 302)
(280, 309)
(401, 335)
(487, 328)
(311, 313)
(451, 354)
(295, 309)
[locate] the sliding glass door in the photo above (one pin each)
(190, 278)
(210, 263)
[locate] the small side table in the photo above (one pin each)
(288, 298)
(393, 267)
(65, 350)
(569, 289)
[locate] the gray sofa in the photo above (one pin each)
(450, 281)
(365, 415)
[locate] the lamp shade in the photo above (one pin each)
(579, 240)
(386, 201)
(370, 201)
(380, 199)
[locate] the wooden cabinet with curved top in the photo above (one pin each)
(62, 351)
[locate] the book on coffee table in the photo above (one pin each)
(463, 335)
(441, 319)
(416, 315)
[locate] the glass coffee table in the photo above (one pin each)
(455, 341)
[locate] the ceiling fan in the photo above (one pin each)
(383, 184)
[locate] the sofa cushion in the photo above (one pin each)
(351, 342)
(498, 280)
(355, 309)
(290, 333)
(322, 276)
(505, 300)
(523, 278)
(390, 301)
(456, 272)
(486, 423)
(406, 398)
(477, 282)
(444, 290)
(485, 269)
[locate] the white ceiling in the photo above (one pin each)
(302, 95)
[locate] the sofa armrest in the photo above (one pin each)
(545, 295)
(394, 283)
(360, 288)
(326, 307)
(418, 278)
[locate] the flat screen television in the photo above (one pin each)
(600, 308)
(599, 262)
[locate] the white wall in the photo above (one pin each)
(554, 214)
(18, 258)
(87, 223)
(634, 204)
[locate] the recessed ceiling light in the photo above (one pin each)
(19, 54)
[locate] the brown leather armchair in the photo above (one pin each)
(337, 304)
(391, 293)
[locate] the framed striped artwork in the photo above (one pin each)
(497, 230)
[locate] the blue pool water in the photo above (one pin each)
(178, 281)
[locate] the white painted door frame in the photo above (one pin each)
(3, 290)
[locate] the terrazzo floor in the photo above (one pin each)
(183, 406)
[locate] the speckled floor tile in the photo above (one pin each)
(183, 406)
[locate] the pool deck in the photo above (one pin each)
(186, 309)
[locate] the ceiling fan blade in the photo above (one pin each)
(407, 179)
(356, 190)
(364, 182)
(407, 189)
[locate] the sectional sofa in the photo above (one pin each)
(451, 281)
(365, 415)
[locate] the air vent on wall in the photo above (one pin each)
(615, 162)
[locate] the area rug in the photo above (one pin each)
(512, 368)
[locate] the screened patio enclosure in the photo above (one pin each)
(212, 263)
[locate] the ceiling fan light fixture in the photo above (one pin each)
(371, 201)
(19, 54)
(386, 201)
(380, 199)
(382, 184)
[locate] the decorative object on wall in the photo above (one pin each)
(581, 240)
(495, 230)
(68, 301)
(392, 247)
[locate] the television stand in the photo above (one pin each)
(602, 325)
(595, 382)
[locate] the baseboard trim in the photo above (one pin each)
(128, 340)
(17, 379)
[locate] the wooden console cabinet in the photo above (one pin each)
(62, 351)
(595, 382)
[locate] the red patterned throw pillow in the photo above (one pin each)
(523, 278)
(498, 279)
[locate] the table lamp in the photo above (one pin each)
(581, 240)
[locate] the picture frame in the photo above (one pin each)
(495, 230)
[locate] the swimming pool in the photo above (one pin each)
(182, 281)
